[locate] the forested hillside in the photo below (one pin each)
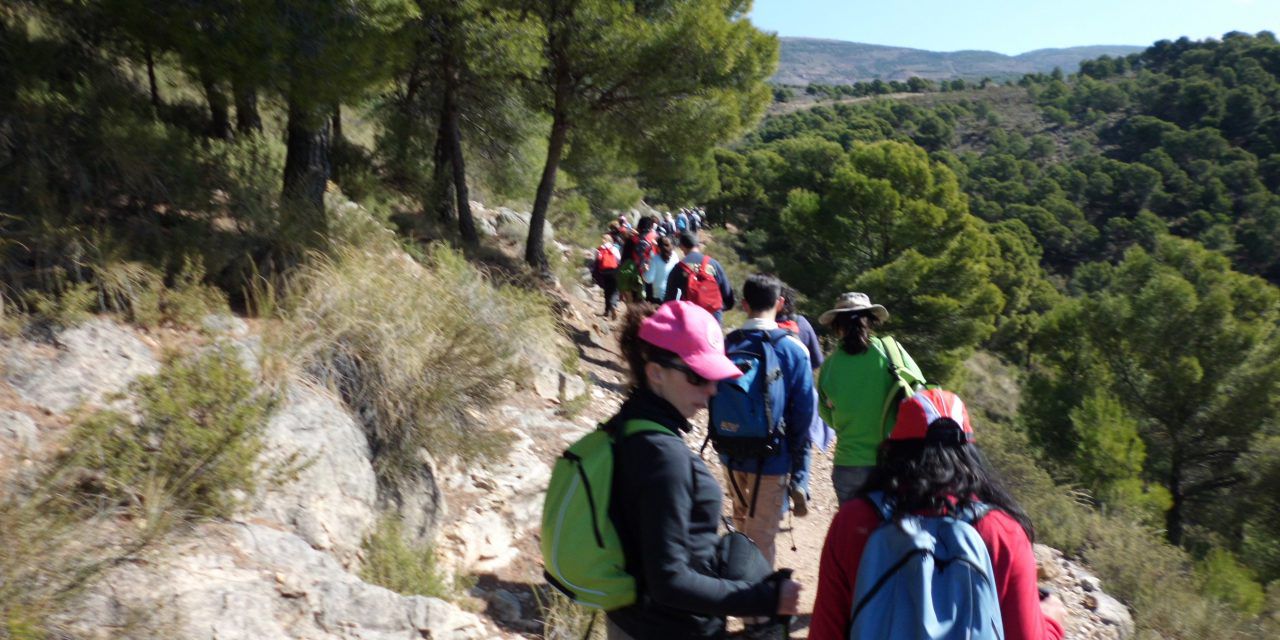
(1091, 258)
(812, 60)
(1116, 234)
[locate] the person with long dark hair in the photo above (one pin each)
(930, 466)
(853, 385)
(666, 504)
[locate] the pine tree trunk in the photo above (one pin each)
(151, 79)
(440, 200)
(248, 120)
(452, 133)
(306, 169)
(219, 108)
(534, 253)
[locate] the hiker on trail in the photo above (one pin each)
(695, 222)
(759, 422)
(682, 221)
(604, 271)
(821, 435)
(856, 388)
(890, 540)
(669, 225)
(636, 252)
(700, 279)
(661, 265)
(665, 503)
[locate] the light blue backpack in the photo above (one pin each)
(926, 578)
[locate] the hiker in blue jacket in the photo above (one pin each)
(665, 504)
(759, 486)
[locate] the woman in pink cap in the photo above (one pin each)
(666, 504)
(929, 465)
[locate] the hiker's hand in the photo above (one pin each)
(1054, 608)
(788, 597)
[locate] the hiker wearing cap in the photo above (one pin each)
(856, 387)
(700, 279)
(762, 458)
(894, 537)
(665, 504)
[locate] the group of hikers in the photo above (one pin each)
(926, 542)
(638, 263)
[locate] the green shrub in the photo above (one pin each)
(1229, 581)
(407, 569)
(50, 556)
(196, 446)
(418, 351)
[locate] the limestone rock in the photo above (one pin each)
(87, 364)
(546, 382)
(18, 432)
(505, 499)
(332, 503)
(252, 582)
(1113, 613)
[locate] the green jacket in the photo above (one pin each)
(851, 396)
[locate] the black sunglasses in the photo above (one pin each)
(689, 374)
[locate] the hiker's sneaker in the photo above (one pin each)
(799, 502)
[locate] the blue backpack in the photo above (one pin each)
(746, 420)
(926, 578)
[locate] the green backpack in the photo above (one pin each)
(581, 552)
(906, 382)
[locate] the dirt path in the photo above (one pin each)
(600, 359)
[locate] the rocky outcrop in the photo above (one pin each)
(1094, 615)
(81, 365)
(332, 503)
(286, 567)
(242, 581)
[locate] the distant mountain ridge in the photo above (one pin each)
(806, 60)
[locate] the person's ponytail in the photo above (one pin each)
(855, 331)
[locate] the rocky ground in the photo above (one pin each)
(287, 566)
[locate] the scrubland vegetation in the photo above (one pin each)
(1092, 259)
(1110, 235)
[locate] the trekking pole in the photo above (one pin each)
(791, 528)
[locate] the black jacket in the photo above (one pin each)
(666, 506)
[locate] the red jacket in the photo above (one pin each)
(1011, 557)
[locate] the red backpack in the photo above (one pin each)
(606, 259)
(701, 287)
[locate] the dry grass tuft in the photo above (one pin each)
(419, 351)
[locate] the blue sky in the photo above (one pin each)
(1013, 27)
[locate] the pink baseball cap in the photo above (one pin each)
(692, 333)
(928, 409)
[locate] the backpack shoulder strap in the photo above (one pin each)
(632, 427)
(898, 361)
(706, 260)
(882, 505)
(973, 512)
